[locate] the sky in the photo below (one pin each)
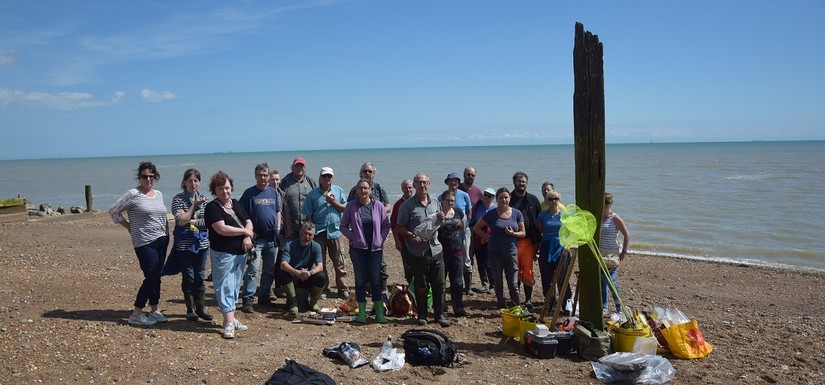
(103, 78)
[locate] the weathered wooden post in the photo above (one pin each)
(588, 130)
(88, 198)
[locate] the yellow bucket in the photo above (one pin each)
(623, 339)
(525, 324)
(510, 321)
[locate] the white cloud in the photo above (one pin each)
(156, 96)
(8, 57)
(58, 100)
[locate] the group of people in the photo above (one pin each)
(285, 230)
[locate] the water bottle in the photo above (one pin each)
(386, 348)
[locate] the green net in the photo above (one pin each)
(577, 226)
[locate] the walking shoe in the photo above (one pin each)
(265, 301)
(343, 294)
(229, 331)
(420, 321)
(461, 313)
(247, 307)
(442, 321)
(141, 320)
(158, 316)
(528, 305)
(239, 326)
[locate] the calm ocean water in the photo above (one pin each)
(752, 202)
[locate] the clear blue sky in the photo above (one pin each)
(103, 78)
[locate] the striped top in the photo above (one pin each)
(147, 216)
(609, 236)
(182, 201)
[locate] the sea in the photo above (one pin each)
(741, 202)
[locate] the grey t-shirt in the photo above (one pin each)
(417, 217)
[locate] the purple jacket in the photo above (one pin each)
(352, 229)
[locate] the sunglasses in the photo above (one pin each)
(488, 195)
(147, 177)
(553, 199)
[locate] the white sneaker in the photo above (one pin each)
(239, 326)
(141, 320)
(158, 316)
(605, 313)
(229, 331)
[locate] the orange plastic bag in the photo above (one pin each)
(686, 340)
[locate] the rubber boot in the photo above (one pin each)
(200, 305)
(362, 313)
(291, 298)
(528, 296)
(189, 299)
(468, 284)
(378, 308)
(315, 295)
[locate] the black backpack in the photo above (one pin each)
(293, 373)
(428, 347)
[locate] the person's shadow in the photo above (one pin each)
(177, 322)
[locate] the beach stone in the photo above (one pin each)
(61, 210)
(76, 209)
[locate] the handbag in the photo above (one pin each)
(611, 261)
(686, 341)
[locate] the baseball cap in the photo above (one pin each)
(490, 191)
(299, 160)
(326, 171)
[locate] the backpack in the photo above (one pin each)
(428, 347)
(293, 373)
(402, 302)
(591, 343)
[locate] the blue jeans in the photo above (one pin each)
(227, 273)
(367, 267)
(267, 254)
(193, 270)
(151, 258)
(605, 288)
(548, 269)
(249, 286)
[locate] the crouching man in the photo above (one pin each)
(303, 264)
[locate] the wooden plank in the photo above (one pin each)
(588, 132)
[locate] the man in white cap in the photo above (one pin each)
(296, 185)
(323, 207)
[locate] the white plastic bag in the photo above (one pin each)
(386, 361)
(658, 371)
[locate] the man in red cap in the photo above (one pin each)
(296, 185)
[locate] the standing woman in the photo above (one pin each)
(451, 234)
(366, 225)
(550, 251)
(191, 243)
(230, 239)
(612, 224)
(506, 226)
(149, 229)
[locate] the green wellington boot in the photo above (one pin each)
(378, 307)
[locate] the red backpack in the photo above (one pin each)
(402, 302)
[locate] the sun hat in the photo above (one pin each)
(452, 175)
